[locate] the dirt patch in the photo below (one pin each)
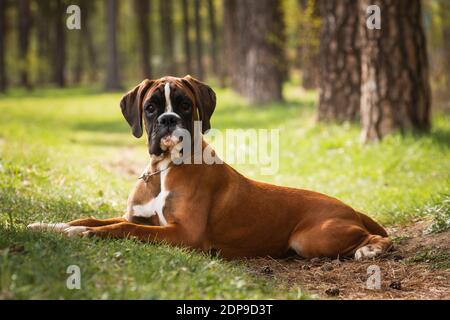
(417, 268)
(129, 161)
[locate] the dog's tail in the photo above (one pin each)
(372, 226)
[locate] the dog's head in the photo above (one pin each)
(165, 105)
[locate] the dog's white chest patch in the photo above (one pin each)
(156, 205)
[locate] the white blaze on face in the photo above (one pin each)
(167, 95)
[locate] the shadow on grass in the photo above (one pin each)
(440, 137)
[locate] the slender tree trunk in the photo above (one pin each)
(60, 41)
(91, 51)
(166, 14)
(395, 87)
(231, 43)
(308, 50)
(44, 52)
(186, 39)
(445, 21)
(142, 10)
(198, 41)
(259, 54)
(213, 37)
(3, 80)
(24, 32)
(234, 47)
(112, 72)
(340, 62)
(79, 63)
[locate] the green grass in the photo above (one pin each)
(437, 259)
(59, 151)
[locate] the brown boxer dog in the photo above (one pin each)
(212, 207)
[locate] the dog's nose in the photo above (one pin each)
(168, 119)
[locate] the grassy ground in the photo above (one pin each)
(65, 154)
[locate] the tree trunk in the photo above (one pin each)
(87, 33)
(3, 81)
(60, 41)
(44, 52)
(142, 10)
(231, 42)
(198, 41)
(445, 22)
(79, 63)
(340, 62)
(186, 39)
(395, 87)
(259, 58)
(24, 33)
(112, 72)
(213, 37)
(166, 14)
(308, 50)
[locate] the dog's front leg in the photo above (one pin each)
(171, 233)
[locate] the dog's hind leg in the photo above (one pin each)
(91, 222)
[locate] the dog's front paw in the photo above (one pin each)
(74, 231)
(41, 226)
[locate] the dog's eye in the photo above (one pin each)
(186, 106)
(150, 108)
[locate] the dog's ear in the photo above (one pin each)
(205, 100)
(131, 105)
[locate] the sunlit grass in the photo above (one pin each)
(63, 153)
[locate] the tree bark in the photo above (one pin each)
(3, 80)
(198, 41)
(112, 72)
(24, 35)
(395, 86)
(213, 37)
(166, 14)
(259, 54)
(186, 39)
(142, 10)
(340, 62)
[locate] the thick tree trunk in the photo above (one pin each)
(3, 80)
(186, 39)
(142, 10)
(259, 56)
(213, 37)
(60, 41)
(166, 14)
(340, 62)
(198, 41)
(24, 33)
(112, 71)
(395, 87)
